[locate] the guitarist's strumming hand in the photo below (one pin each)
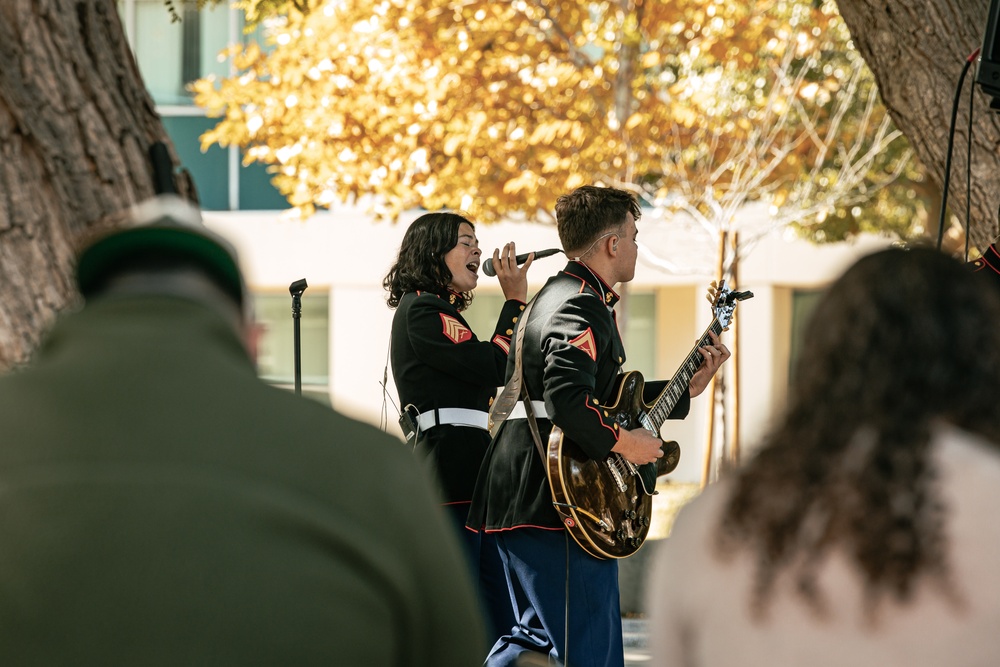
(715, 354)
(639, 446)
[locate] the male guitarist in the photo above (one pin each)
(572, 353)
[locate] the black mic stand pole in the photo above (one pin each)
(296, 289)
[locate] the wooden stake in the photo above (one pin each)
(706, 470)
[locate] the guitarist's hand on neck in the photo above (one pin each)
(639, 446)
(715, 354)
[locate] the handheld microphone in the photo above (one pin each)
(520, 259)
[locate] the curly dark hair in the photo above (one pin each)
(906, 338)
(589, 211)
(420, 263)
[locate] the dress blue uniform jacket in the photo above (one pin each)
(572, 357)
(437, 362)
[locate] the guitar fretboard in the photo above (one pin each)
(672, 393)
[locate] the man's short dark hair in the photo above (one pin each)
(589, 211)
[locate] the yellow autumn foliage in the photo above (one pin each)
(500, 107)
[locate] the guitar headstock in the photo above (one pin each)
(724, 300)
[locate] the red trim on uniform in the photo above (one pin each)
(600, 279)
(991, 253)
(524, 525)
(502, 343)
(600, 416)
(454, 330)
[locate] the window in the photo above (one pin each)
(638, 328)
(276, 348)
(173, 54)
(170, 56)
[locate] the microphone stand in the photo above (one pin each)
(296, 289)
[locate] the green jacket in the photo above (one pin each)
(159, 505)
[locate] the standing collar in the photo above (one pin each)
(580, 270)
(446, 293)
(991, 258)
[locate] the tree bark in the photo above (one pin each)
(76, 123)
(916, 50)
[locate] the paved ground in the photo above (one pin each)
(636, 653)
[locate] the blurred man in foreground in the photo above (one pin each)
(160, 505)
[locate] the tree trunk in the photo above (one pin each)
(76, 124)
(916, 50)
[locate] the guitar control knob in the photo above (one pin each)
(629, 514)
(644, 521)
(620, 534)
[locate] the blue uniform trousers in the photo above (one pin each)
(535, 562)
(487, 573)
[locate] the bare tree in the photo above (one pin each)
(721, 202)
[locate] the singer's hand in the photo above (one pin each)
(513, 278)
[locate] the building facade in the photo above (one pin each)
(344, 254)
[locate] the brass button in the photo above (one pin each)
(510, 332)
(605, 413)
(515, 319)
(522, 307)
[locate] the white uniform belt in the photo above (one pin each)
(537, 406)
(455, 416)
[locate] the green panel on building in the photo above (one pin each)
(256, 191)
(210, 169)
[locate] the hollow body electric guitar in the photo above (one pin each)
(606, 505)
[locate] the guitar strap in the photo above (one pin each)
(515, 389)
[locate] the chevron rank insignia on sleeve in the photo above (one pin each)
(585, 342)
(502, 343)
(454, 330)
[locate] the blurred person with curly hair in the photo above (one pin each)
(862, 532)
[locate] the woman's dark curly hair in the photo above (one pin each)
(903, 340)
(420, 264)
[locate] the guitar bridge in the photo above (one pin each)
(616, 473)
